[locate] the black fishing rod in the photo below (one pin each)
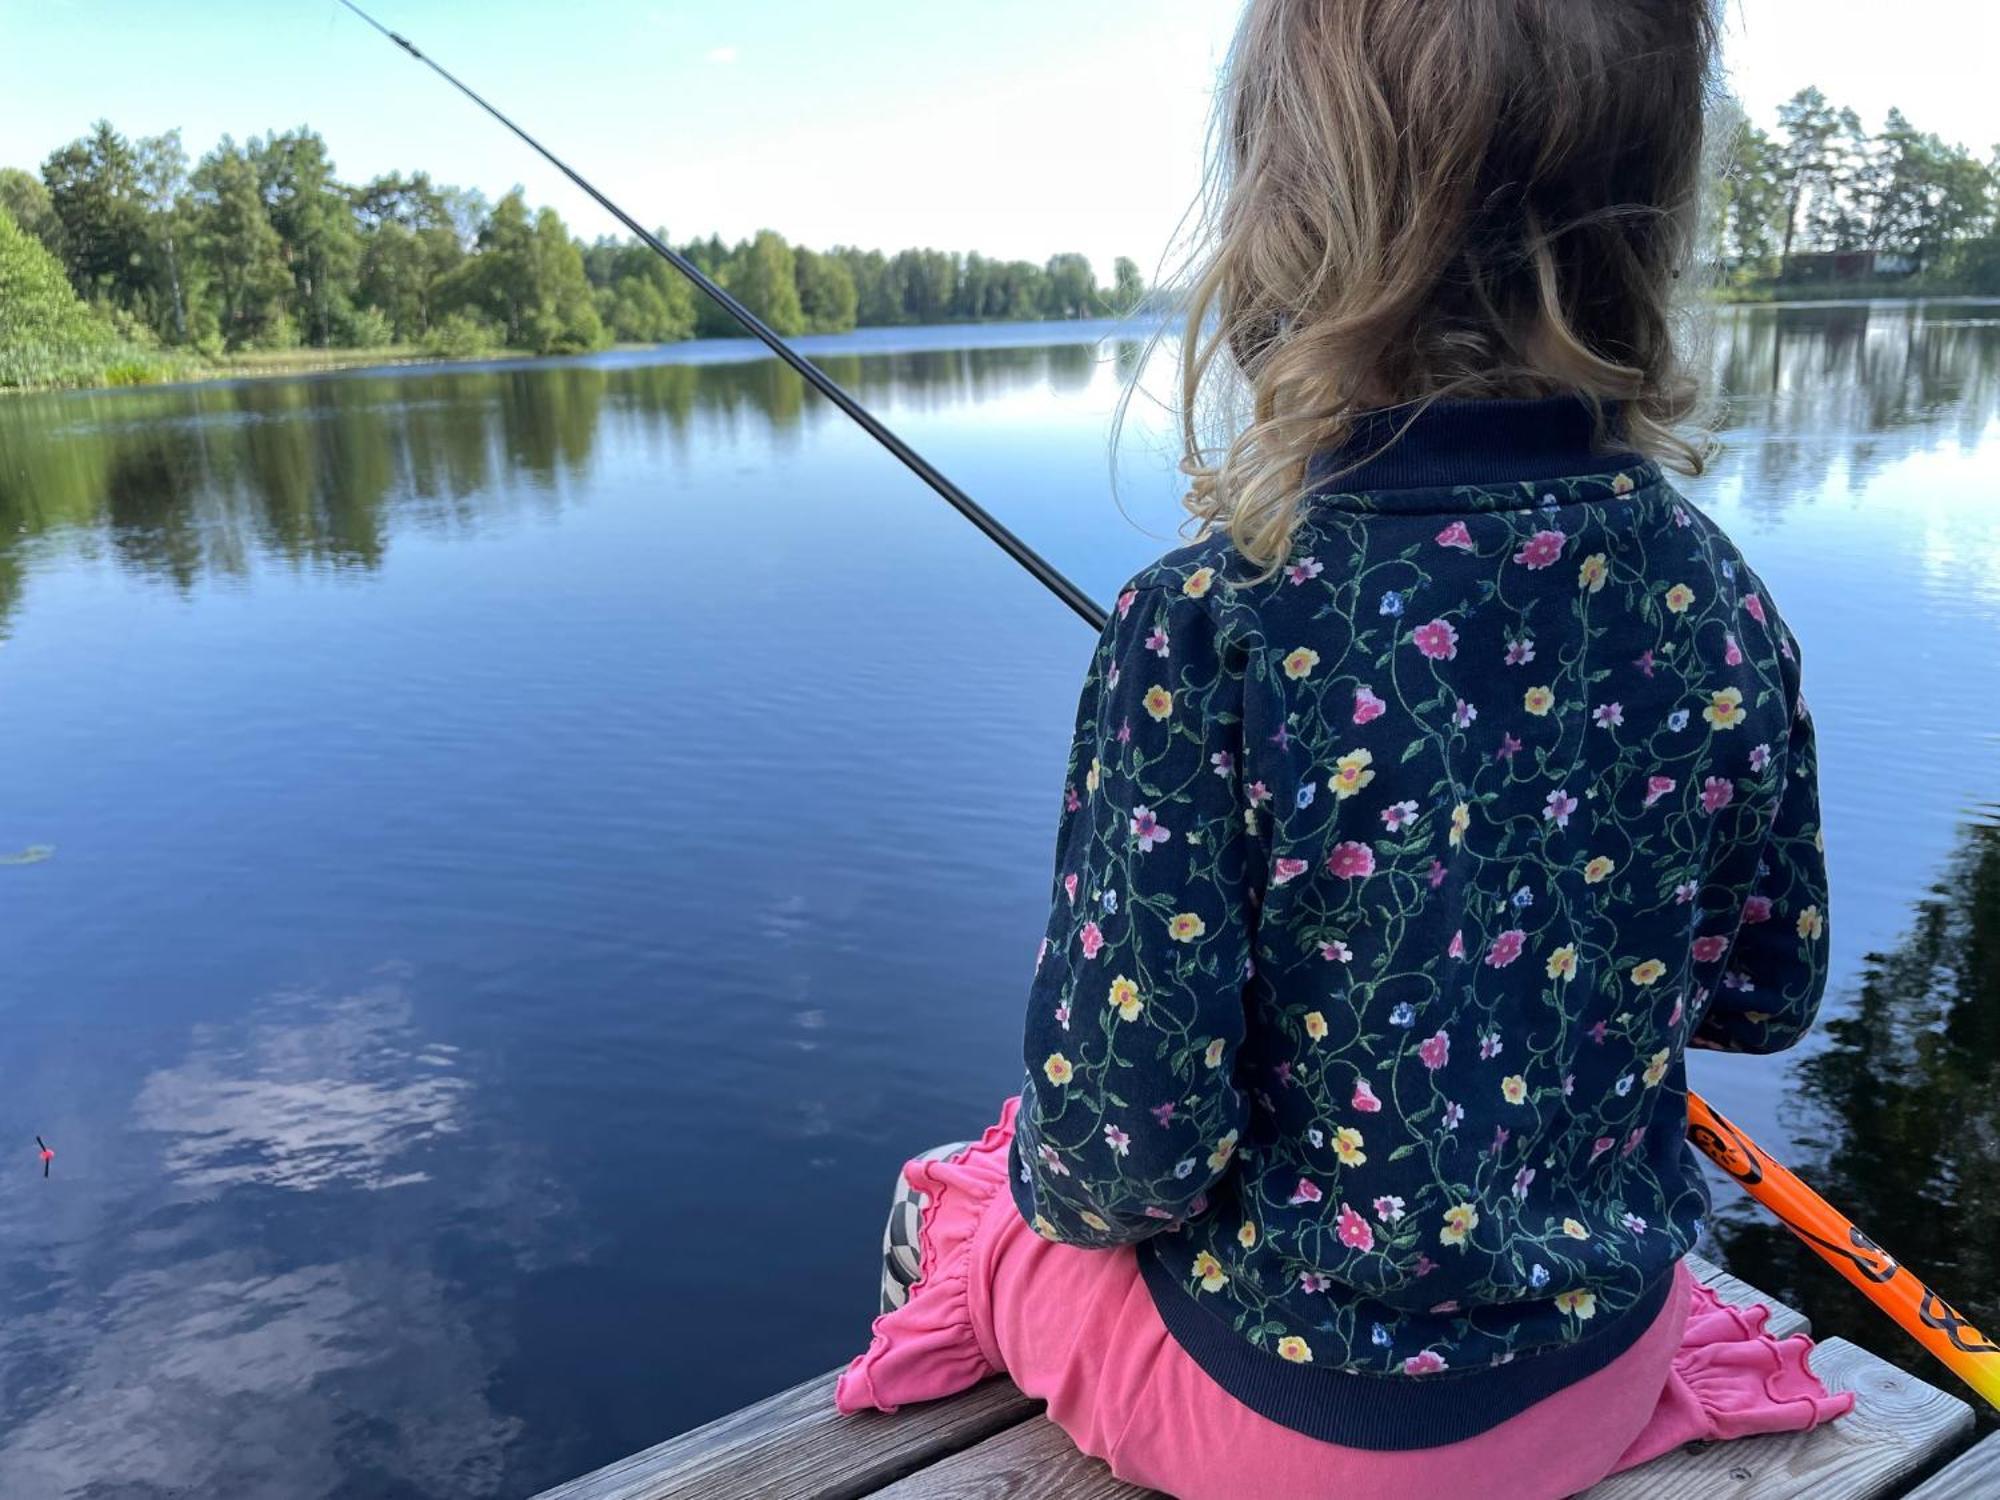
(1051, 578)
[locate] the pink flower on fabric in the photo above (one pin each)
(1717, 792)
(1601, 1145)
(1364, 1098)
(1396, 814)
(1164, 1113)
(1354, 1231)
(1541, 549)
(1304, 570)
(1437, 640)
(1435, 1050)
(1760, 757)
(1632, 1142)
(1455, 535)
(1437, 873)
(1125, 602)
(1456, 948)
(1368, 707)
(1093, 939)
(1069, 888)
(1756, 909)
(1521, 652)
(1336, 952)
(1753, 606)
(1657, 787)
(1119, 1142)
(1071, 802)
(1427, 1363)
(1732, 654)
(1560, 805)
(1157, 642)
(1464, 714)
(1351, 861)
(1506, 948)
(1708, 949)
(1306, 1192)
(1148, 829)
(1287, 870)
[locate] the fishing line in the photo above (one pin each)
(1092, 613)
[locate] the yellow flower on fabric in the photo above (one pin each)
(1213, 1056)
(1208, 1271)
(1247, 1235)
(1159, 702)
(1095, 775)
(1656, 1068)
(1044, 1228)
(1598, 870)
(1094, 1221)
(1593, 572)
(1514, 1089)
(1575, 1230)
(1186, 927)
(1579, 1304)
(1648, 972)
(1562, 963)
(1459, 1221)
(1351, 773)
(1058, 1069)
(1198, 582)
(1621, 484)
(1538, 701)
(1301, 662)
(1347, 1145)
(1294, 1348)
(1725, 709)
(1461, 819)
(1124, 997)
(1679, 597)
(1811, 924)
(1315, 1025)
(1224, 1149)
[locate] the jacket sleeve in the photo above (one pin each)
(1129, 1112)
(1777, 971)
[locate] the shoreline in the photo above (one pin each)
(890, 338)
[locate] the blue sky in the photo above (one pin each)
(1016, 128)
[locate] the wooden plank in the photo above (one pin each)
(1034, 1458)
(1899, 1427)
(1784, 1321)
(795, 1446)
(1973, 1475)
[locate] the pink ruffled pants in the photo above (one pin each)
(1077, 1328)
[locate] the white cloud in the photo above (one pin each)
(720, 56)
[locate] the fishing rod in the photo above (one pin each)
(1091, 612)
(1883, 1279)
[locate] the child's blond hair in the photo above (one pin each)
(1417, 199)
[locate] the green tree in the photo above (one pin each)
(1071, 289)
(1807, 164)
(409, 242)
(241, 254)
(47, 335)
(315, 220)
(641, 298)
(527, 276)
(1128, 287)
(27, 203)
(764, 278)
(827, 296)
(95, 193)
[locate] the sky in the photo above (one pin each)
(1014, 127)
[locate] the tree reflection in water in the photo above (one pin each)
(1898, 1113)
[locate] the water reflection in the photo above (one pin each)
(1898, 1116)
(197, 480)
(163, 1351)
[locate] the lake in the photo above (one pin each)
(506, 860)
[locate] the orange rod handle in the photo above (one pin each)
(1884, 1280)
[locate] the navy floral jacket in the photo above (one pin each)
(1389, 893)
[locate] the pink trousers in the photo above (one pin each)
(1078, 1329)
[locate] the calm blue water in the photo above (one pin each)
(534, 845)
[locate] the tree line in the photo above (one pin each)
(1820, 185)
(261, 245)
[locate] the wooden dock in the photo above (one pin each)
(1904, 1438)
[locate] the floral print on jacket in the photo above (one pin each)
(1390, 891)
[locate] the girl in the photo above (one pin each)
(1420, 816)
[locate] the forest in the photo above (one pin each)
(121, 257)
(122, 260)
